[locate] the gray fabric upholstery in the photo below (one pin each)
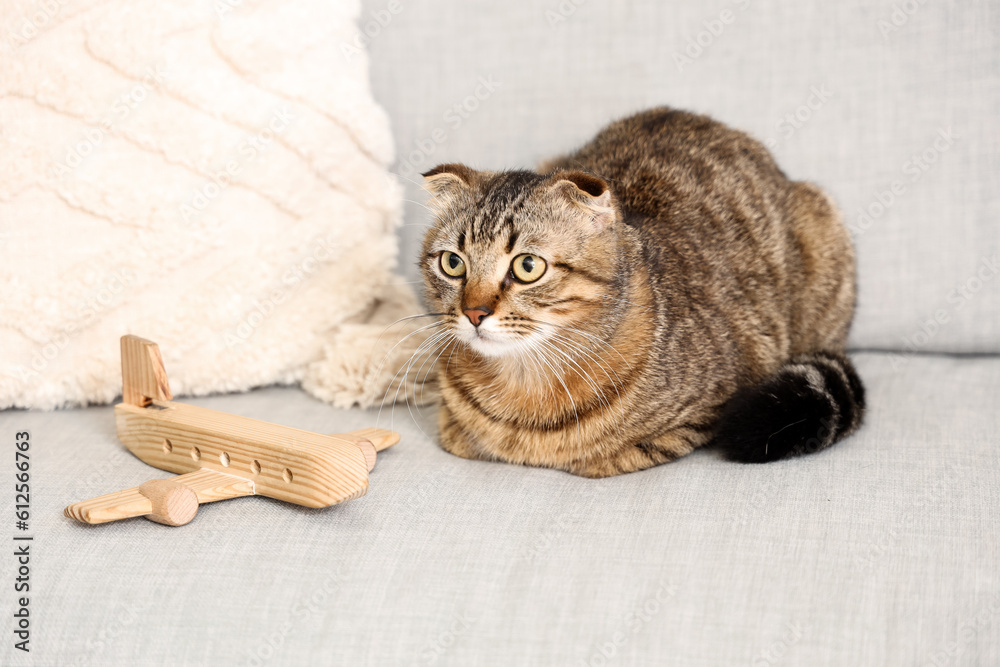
(881, 95)
(880, 551)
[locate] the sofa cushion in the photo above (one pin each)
(882, 549)
(891, 106)
(209, 176)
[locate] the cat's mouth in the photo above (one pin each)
(489, 342)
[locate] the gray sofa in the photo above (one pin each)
(884, 550)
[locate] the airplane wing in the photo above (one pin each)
(167, 501)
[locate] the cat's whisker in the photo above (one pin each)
(589, 379)
(403, 366)
(430, 368)
(616, 382)
(385, 358)
(550, 348)
(423, 205)
(596, 339)
(407, 178)
(554, 370)
(549, 345)
(585, 376)
(602, 342)
(440, 341)
(450, 355)
(426, 349)
(523, 359)
(590, 356)
(588, 335)
(404, 319)
(522, 356)
(427, 373)
(438, 344)
(522, 353)
(601, 363)
(411, 317)
(425, 345)
(569, 395)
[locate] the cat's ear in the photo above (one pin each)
(587, 194)
(449, 178)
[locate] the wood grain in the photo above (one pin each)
(144, 378)
(380, 437)
(297, 466)
(174, 504)
(218, 455)
(110, 507)
(208, 485)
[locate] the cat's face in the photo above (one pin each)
(517, 258)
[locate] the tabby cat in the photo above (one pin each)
(663, 288)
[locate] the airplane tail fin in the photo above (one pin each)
(143, 377)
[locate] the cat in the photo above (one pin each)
(663, 288)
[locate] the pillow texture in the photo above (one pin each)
(212, 176)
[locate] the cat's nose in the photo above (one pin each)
(477, 314)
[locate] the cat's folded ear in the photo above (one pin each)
(450, 178)
(588, 195)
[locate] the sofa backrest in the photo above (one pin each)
(890, 106)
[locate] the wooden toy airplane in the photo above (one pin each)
(220, 455)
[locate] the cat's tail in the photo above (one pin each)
(807, 405)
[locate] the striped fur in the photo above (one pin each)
(687, 280)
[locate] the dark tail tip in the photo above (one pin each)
(810, 403)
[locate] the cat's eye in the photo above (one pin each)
(528, 268)
(452, 264)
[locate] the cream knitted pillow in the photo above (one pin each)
(208, 175)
